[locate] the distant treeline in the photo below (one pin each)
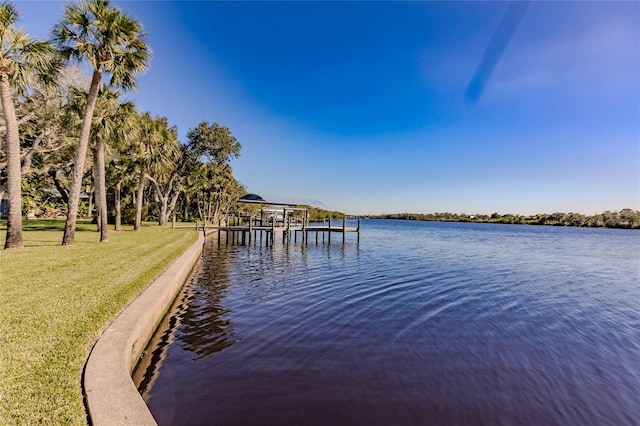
(320, 214)
(626, 218)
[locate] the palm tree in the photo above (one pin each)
(110, 42)
(125, 131)
(113, 126)
(21, 58)
(165, 172)
(120, 172)
(157, 157)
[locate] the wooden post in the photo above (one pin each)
(304, 226)
(288, 226)
(329, 236)
(344, 228)
(173, 221)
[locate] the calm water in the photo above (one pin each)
(418, 323)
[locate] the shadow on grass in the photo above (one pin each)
(42, 228)
(57, 225)
(83, 225)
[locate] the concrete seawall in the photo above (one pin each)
(111, 396)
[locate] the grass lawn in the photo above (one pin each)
(54, 303)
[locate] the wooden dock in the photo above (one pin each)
(257, 230)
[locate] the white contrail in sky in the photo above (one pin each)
(498, 43)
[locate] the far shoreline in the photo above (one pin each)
(625, 219)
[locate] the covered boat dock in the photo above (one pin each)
(280, 218)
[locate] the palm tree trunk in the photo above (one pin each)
(94, 178)
(79, 160)
(137, 223)
(118, 206)
(90, 202)
(91, 194)
(200, 207)
(101, 190)
(14, 214)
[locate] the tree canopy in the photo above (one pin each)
(138, 169)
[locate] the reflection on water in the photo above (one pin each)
(205, 327)
(197, 320)
(434, 323)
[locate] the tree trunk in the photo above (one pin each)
(165, 200)
(209, 209)
(91, 198)
(90, 202)
(79, 161)
(216, 212)
(28, 157)
(14, 177)
(187, 199)
(94, 178)
(172, 204)
(101, 189)
(64, 193)
(162, 217)
(200, 207)
(137, 223)
(118, 206)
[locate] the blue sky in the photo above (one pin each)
(361, 105)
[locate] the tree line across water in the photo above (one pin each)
(626, 218)
(71, 144)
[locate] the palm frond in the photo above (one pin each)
(106, 38)
(8, 16)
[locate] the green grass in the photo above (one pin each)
(54, 303)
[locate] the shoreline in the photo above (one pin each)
(111, 396)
